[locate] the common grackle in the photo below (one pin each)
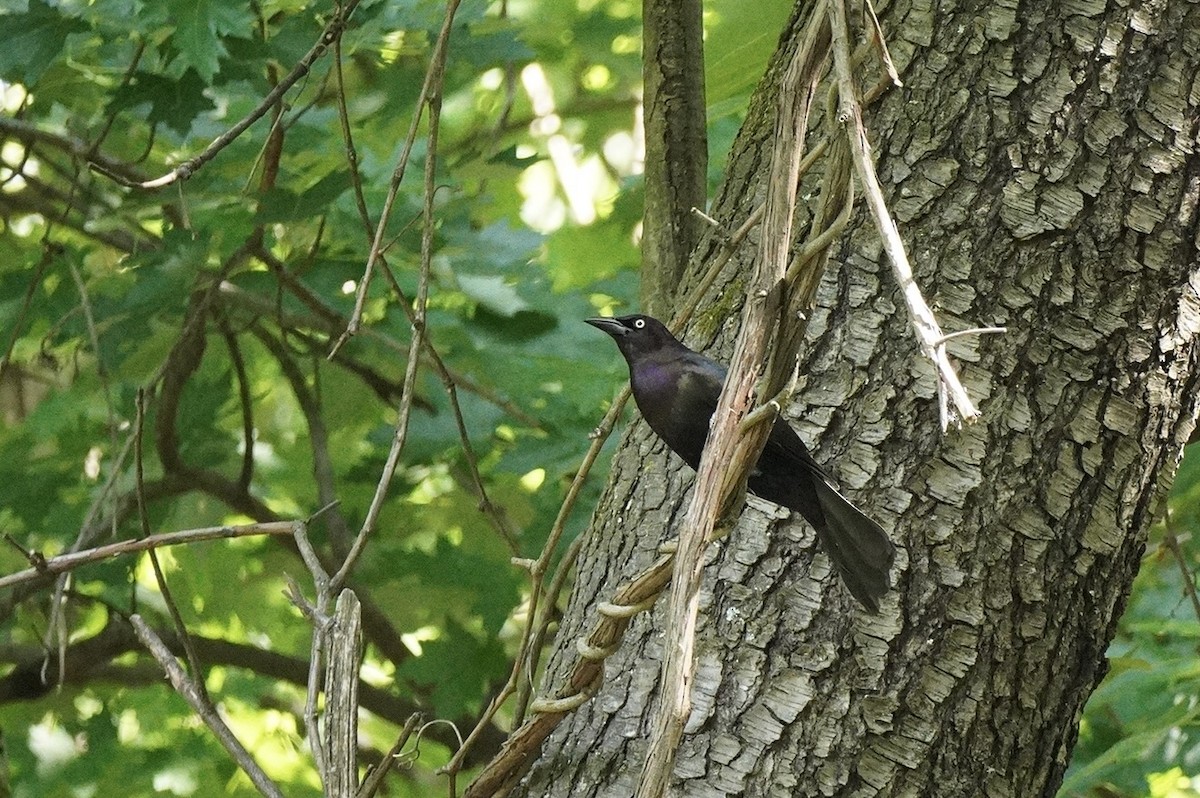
(677, 391)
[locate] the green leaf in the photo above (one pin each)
(739, 39)
(174, 102)
(496, 42)
(282, 205)
(582, 256)
(33, 40)
(455, 669)
(493, 292)
(199, 28)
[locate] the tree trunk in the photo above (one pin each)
(673, 110)
(1043, 169)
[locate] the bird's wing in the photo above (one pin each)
(677, 394)
(785, 446)
(700, 383)
(708, 375)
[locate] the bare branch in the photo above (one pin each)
(433, 92)
(68, 562)
(374, 779)
(924, 322)
(187, 688)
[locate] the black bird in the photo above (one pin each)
(677, 391)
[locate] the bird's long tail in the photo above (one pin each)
(857, 545)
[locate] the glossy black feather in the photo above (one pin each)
(677, 391)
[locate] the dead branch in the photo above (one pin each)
(68, 562)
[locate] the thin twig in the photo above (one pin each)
(160, 577)
(493, 512)
(360, 200)
(187, 688)
(375, 777)
(332, 322)
(69, 562)
(333, 30)
(1189, 579)
(56, 626)
(538, 639)
(126, 79)
(246, 474)
(430, 88)
(318, 439)
(101, 372)
(432, 91)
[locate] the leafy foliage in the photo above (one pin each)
(1140, 733)
(219, 298)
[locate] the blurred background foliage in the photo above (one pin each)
(538, 213)
(1140, 733)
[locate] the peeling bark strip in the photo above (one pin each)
(1044, 172)
(731, 450)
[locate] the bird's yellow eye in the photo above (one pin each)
(639, 323)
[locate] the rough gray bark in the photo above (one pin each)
(1044, 171)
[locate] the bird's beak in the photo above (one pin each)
(610, 326)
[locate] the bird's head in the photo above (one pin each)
(637, 335)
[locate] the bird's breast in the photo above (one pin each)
(655, 380)
(676, 405)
